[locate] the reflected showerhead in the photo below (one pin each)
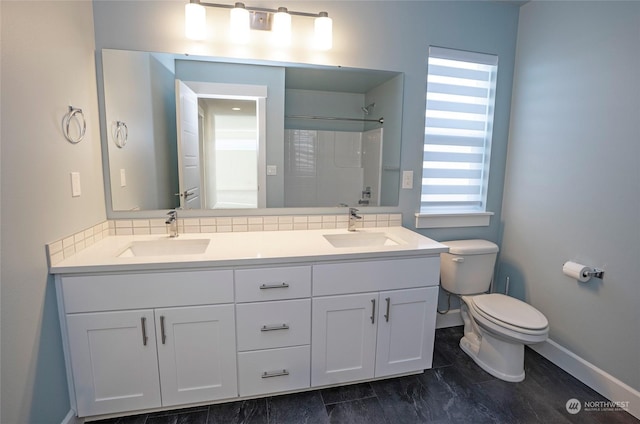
(367, 109)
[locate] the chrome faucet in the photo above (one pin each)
(172, 222)
(353, 217)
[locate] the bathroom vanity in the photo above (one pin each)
(150, 322)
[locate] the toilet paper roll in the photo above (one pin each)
(575, 270)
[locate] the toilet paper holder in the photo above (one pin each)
(594, 272)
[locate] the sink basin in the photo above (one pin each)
(360, 239)
(165, 247)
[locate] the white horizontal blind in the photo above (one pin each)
(458, 126)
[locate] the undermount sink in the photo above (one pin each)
(360, 239)
(165, 247)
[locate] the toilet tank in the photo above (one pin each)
(468, 267)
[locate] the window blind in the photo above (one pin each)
(458, 126)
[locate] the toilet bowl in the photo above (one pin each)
(496, 326)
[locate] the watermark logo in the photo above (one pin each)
(573, 406)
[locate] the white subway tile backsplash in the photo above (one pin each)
(68, 246)
(223, 221)
(207, 222)
(285, 219)
(140, 231)
(270, 220)
(255, 220)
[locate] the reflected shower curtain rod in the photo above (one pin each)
(332, 118)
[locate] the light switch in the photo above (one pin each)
(272, 170)
(407, 179)
(75, 184)
(123, 178)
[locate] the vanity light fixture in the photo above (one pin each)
(244, 18)
(239, 24)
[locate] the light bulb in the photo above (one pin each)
(239, 24)
(323, 31)
(195, 21)
(281, 31)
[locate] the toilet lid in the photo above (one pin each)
(510, 310)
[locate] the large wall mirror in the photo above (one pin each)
(203, 133)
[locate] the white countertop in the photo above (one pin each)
(245, 248)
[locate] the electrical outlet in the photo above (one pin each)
(407, 179)
(272, 170)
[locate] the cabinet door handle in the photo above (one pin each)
(387, 315)
(373, 311)
(274, 286)
(143, 321)
(275, 327)
(162, 332)
(269, 374)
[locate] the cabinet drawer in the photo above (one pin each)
(88, 293)
(255, 285)
(368, 276)
(273, 370)
(267, 325)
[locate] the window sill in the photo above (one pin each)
(453, 220)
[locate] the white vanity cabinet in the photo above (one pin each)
(126, 359)
(386, 330)
(148, 339)
(274, 329)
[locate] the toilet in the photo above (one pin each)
(496, 326)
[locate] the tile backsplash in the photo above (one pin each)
(68, 246)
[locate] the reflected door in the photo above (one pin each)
(188, 147)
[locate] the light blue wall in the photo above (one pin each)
(573, 180)
(367, 34)
(48, 62)
(47, 65)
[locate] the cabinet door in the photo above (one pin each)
(343, 338)
(406, 323)
(114, 362)
(196, 353)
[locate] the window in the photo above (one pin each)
(458, 126)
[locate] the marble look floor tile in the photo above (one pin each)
(193, 417)
(299, 408)
(347, 393)
(405, 400)
(361, 411)
(252, 411)
(134, 419)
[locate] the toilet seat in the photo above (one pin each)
(509, 314)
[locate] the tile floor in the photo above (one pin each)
(455, 390)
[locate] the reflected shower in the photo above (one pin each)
(367, 109)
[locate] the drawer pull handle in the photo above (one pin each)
(274, 286)
(373, 311)
(143, 322)
(387, 315)
(162, 332)
(275, 327)
(269, 374)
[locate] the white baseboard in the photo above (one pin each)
(71, 418)
(450, 319)
(600, 381)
